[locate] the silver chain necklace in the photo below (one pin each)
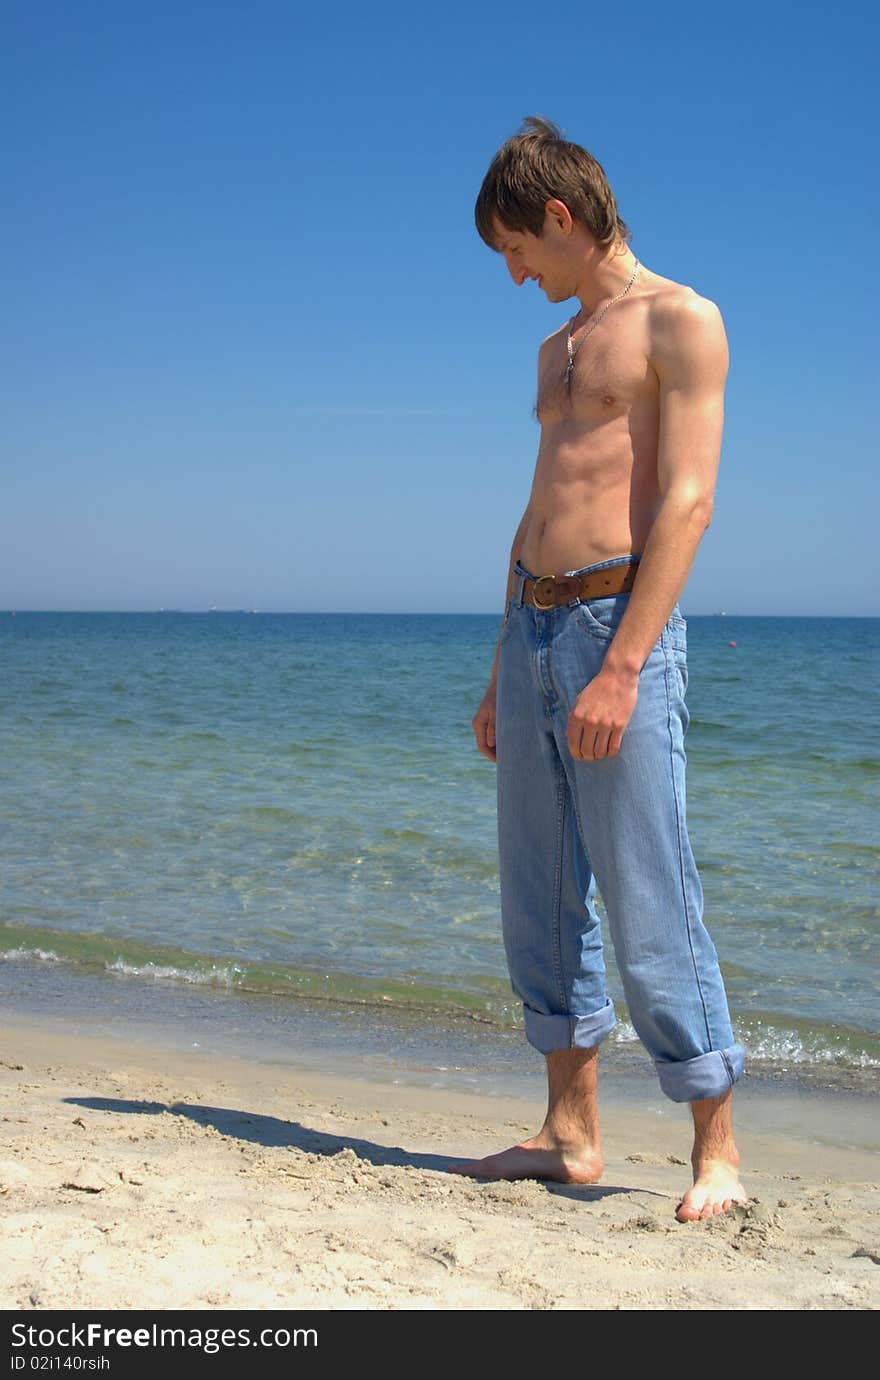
(569, 368)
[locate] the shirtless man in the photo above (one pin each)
(584, 714)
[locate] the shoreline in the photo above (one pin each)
(445, 1045)
(135, 1173)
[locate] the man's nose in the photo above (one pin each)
(517, 273)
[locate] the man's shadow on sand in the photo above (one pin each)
(271, 1131)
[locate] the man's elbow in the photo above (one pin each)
(694, 504)
(702, 511)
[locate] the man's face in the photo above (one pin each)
(536, 257)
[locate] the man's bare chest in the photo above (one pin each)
(611, 376)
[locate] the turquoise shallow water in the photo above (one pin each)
(293, 805)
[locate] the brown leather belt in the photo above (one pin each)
(549, 591)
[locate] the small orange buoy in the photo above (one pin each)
(731, 644)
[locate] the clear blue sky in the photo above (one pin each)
(255, 354)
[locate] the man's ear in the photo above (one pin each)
(559, 215)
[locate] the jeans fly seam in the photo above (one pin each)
(548, 687)
(670, 670)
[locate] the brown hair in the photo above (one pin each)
(535, 165)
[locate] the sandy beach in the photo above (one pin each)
(133, 1176)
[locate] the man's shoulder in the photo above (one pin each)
(685, 327)
(554, 337)
(675, 304)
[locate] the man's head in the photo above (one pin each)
(542, 201)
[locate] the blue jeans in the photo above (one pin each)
(566, 827)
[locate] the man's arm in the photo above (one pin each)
(483, 722)
(690, 358)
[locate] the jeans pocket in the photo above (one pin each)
(601, 617)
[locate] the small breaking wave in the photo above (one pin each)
(44, 955)
(212, 976)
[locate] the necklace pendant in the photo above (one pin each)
(569, 370)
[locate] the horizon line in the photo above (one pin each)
(381, 613)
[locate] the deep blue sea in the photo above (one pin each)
(292, 805)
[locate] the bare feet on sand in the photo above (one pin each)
(716, 1188)
(567, 1148)
(538, 1158)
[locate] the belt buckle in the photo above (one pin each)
(540, 580)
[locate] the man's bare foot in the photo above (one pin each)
(567, 1148)
(716, 1188)
(715, 1161)
(538, 1158)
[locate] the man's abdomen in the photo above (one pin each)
(588, 504)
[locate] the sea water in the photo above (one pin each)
(291, 807)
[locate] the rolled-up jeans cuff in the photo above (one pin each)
(708, 1075)
(550, 1033)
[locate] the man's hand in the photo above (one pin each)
(483, 723)
(600, 715)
